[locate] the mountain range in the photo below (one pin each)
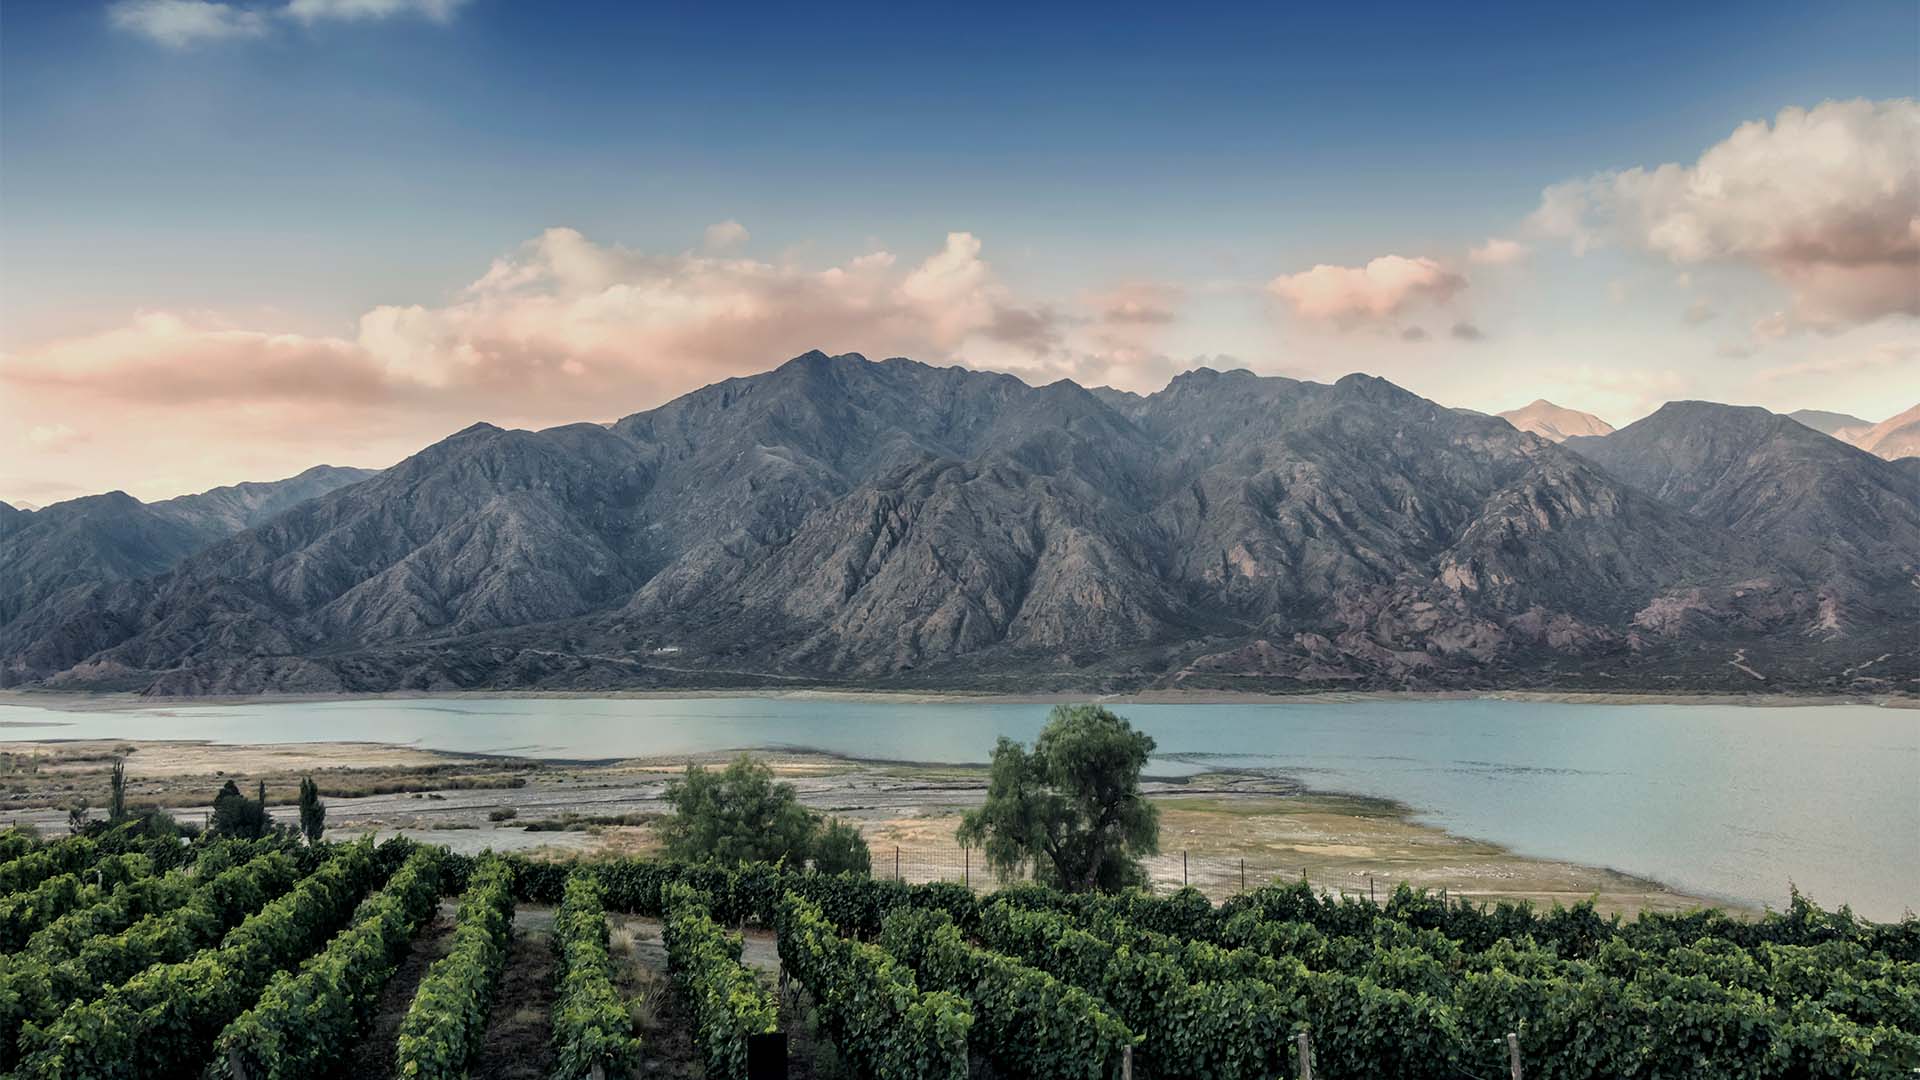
(891, 524)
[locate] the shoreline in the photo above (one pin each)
(1216, 827)
(127, 701)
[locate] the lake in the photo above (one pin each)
(1718, 800)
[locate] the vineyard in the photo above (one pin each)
(135, 957)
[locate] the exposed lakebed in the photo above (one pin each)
(1720, 800)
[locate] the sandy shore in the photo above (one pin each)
(1219, 831)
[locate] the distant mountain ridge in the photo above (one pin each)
(1550, 421)
(840, 521)
(1893, 438)
(83, 542)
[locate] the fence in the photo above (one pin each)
(1215, 874)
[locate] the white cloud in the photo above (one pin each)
(1826, 200)
(178, 24)
(1352, 294)
(726, 235)
(51, 436)
(347, 10)
(1882, 357)
(1498, 251)
(1698, 312)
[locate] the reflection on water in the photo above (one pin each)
(1719, 800)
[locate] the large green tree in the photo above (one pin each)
(1071, 807)
(739, 814)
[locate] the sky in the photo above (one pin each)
(239, 239)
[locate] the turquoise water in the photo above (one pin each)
(1725, 801)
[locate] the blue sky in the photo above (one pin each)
(297, 167)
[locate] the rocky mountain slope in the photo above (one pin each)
(894, 524)
(84, 542)
(1550, 421)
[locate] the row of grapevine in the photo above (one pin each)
(591, 1025)
(752, 894)
(1224, 1026)
(302, 1018)
(15, 843)
(445, 1023)
(725, 999)
(1025, 1021)
(162, 1022)
(144, 922)
(41, 863)
(1638, 1017)
(879, 1019)
(25, 912)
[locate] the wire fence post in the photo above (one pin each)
(1126, 1062)
(1305, 1043)
(1183, 868)
(966, 865)
(896, 863)
(1371, 899)
(1513, 1054)
(1243, 875)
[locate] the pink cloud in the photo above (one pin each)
(561, 330)
(1382, 288)
(1827, 200)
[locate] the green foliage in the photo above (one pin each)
(737, 815)
(313, 812)
(447, 1020)
(1211, 1023)
(840, 849)
(725, 999)
(162, 1022)
(39, 864)
(1072, 807)
(880, 1021)
(235, 815)
(302, 1019)
(117, 786)
(25, 912)
(1024, 1020)
(591, 1023)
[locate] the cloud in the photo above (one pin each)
(1466, 331)
(178, 24)
(1885, 356)
(1413, 333)
(559, 330)
(1384, 287)
(725, 235)
(1498, 251)
(355, 10)
(1825, 200)
(1143, 302)
(1698, 312)
(52, 436)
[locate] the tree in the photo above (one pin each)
(737, 815)
(1072, 805)
(313, 812)
(840, 849)
(235, 815)
(117, 785)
